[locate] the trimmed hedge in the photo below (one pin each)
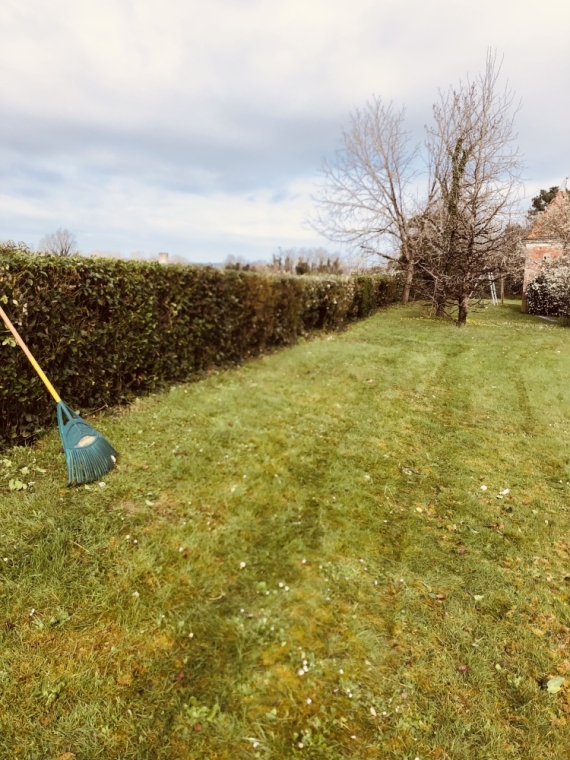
(105, 330)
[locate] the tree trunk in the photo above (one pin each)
(408, 280)
(439, 300)
(463, 308)
(502, 290)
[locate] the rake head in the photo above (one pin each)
(89, 456)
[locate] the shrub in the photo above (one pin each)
(549, 293)
(106, 330)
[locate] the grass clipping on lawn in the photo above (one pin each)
(354, 548)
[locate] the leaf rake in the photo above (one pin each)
(88, 454)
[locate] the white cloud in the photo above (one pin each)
(190, 126)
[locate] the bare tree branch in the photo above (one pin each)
(366, 198)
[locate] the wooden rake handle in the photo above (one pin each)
(26, 350)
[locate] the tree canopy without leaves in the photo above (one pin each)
(366, 198)
(60, 243)
(476, 166)
(450, 233)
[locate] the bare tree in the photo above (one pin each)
(476, 167)
(366, 199)
(60, 243)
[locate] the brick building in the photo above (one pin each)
(540, 247)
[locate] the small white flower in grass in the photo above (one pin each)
(114, 459)
(301, 672)
(128, 536)
(281, 585)
(483, 488)
(5, 559)
(232, 489)
(373, 711)
(242, 610)
(287, 587)
(135, 594)
(190, 635)
(341, 671)
(102, 484)
(241, 565)
(300, 745)
(353, 736)
(303, 561)
(135, 541)
(349, 695)
(32, 612)
(309, 700)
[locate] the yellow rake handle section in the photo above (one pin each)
(26, 350)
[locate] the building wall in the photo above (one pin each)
(537, 253)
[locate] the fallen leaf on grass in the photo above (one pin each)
(16, 485)
(554, 685)
(464, 668)
(198, 727)
(180, 676)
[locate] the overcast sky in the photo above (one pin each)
(197, 127)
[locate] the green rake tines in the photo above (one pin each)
(88, 455)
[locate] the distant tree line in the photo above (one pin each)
(296, 261)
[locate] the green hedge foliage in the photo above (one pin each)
(105, 330)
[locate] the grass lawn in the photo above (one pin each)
(314, 555)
